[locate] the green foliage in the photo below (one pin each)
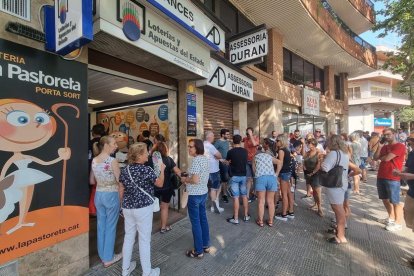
(406, 114)
(399, 19)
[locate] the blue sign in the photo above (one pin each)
(386, 122)
(191, 114)
(163, 112)
(68, 25)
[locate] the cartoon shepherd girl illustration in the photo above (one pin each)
(24, 126)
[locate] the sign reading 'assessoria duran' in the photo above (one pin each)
(248, 47)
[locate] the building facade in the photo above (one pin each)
(168, 67)
(374, 100)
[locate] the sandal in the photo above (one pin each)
(165, 230)
(259, 222)
(320, 213)
(269, 223)
(192, 254)
(206, 249)
(116, 258)
(331, 231)
(334, 240)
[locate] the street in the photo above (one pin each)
(296, 247)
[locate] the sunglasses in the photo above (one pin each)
(318, 131)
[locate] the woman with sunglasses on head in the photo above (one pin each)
(311, 168)
(196, 184)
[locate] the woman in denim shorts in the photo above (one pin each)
(282, 143)
(266, 184)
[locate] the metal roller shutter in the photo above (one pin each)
(218, 114)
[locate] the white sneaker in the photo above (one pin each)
(282, 218)
(130, 269)
(155, 272)
(392, 227)
(386, 221)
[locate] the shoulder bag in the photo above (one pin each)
(175, 179)
(332, 178)
(155, 200)
(184, 196)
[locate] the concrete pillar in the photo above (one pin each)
(331, 123)
(329, 81)
(239, 117)
(270, 117)
(185, 87)
(173, 124)
(253, 117)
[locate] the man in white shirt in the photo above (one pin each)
(213, 158)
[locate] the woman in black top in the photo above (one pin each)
(282, 143)
(165, 192)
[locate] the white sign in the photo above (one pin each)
(252, 46)
(68, 18)
(155, 35)
(310, 103)
(190, 15)
(229, 80)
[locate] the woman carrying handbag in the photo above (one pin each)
(138, 206)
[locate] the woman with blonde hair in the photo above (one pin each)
(282, 143)
(138, 181)
(105, 173)
(355, 157)
(338, 155)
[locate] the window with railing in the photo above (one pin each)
(337, 87)
(299, 71)
(345, 27)
(377, 91)
(354, 92)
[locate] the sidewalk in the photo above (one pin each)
(296, 247)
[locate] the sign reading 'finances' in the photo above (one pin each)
(188, 15)
(251, 46)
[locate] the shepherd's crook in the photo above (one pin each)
(55, 107)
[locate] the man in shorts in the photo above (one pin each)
(392, 156)
(237, 158)
(250, 142)
(213, 156)
(223, 146)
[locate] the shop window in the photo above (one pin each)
(290, 122)
(228, 14)
(305, 124)
(337, 87)
(309, 74)
(319, 79)
(287, 65)
(322, 123)
(210, 5)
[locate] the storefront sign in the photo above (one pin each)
(310, 103)
(249, 45)
(68, 25)
(386, 122)
(43, 156)
(191, 18)
(191, 114)
(229, 80)
(143, 28)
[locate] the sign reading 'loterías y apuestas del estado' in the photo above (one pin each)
(43, 161)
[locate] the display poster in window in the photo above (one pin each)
(310, 102)
(127, 125)
(43, 150)
(191, 114)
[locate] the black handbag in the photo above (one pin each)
(333, 178)
(175, 180)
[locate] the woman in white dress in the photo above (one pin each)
(24, 127)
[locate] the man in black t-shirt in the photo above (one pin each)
(146, 135)
(237, 158)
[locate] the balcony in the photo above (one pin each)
(359, 15)
(378, 96)
(310, 31)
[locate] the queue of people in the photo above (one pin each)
(243, 169)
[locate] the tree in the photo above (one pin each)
(399, 18)
(406, 114)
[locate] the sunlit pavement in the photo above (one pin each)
(295, 247)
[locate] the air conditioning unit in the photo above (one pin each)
(17, 8)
